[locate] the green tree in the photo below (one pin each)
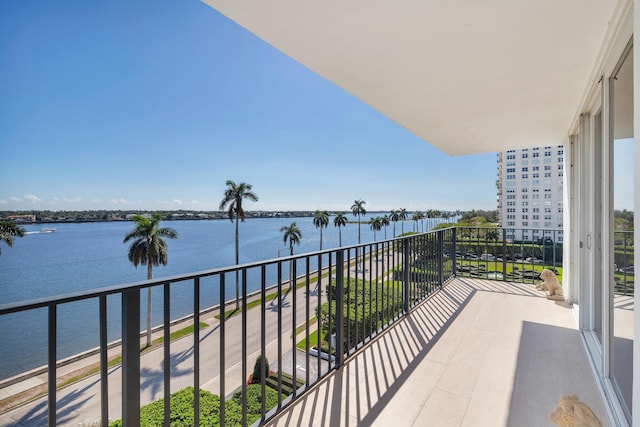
(149, 248)
(385, 223)
(375, 224)
(292, 235)
(416, 218)
(394, 216)
(234, 194)
(358, 209)
(340, 221)
(320, 220)
(9, 230)
(402, 216)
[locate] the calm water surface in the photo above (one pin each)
(79, 257)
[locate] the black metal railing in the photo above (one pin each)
(308, 322)
(508, 254)
(624, 270)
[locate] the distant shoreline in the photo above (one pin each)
(60, 217)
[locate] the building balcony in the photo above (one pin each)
(422, 336)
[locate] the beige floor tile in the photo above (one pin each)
(463, 370)
(489, 403)
(442, 409)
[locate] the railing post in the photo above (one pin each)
(131, 358)
(339, 298)
(440, 256)
(405, 274)
(455, 250)
(504, 255)
(52, 363)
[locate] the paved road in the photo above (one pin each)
(79, 404)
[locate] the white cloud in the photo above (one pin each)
(3, 202)
(15, 199)
(72, 200)
(33, 199)
(177, 202)
(195, 202)
(120, 201)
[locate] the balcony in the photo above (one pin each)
(437, 341)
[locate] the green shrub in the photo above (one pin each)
(152, 415)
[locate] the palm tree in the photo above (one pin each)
(150, 248)
(420, 215)
(402, 215)
(376, 225)
(320, 220)
(292, 234)
(416, 218)
(9, 230)
(394, 217)
(358, 209)
(233, 197)
(340, 221)
(385, 222)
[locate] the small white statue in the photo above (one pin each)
(551, 285)
(571, 412)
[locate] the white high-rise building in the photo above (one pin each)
(530, 183)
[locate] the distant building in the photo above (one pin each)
(22, 218)
(530, 186)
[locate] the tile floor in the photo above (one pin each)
(477, 353)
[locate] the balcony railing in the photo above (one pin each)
(508, 254)
(320, 309)
(376, 282)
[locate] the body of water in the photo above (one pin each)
(86, 256)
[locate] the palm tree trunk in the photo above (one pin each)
(149, 277)
(340, 235)
(321, 237)
(358, 228)
(237, 262)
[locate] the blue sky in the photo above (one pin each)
(155, 104)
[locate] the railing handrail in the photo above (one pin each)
(143, 284)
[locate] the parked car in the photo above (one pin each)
(487, 257)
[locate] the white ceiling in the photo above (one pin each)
(467, 76)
